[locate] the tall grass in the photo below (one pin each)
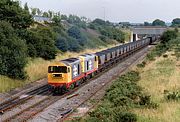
(157, 77)
(7, 83)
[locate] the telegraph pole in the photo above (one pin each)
(104, 14)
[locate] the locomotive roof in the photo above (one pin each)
(87, 55)
(100, 53)
(70, 60)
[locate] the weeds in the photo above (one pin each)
(142, 65)
(175, 95)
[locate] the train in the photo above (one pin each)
(70, 73)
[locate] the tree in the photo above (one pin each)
(41, 42)
(75, 32)
(62, 44)
(99, 22)
(12, 12)
(33, 11)
(64, 17)
(45, 14)
(176, 22)
(39, 12)
(57, 19)
(158, 22)
(12, 52)
(26, 7)
(147, 24)
(50, 14)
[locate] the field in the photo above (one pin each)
(158, 78)
(37, 69)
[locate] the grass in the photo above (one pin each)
(7, 83)
(158, 76)
(37, 69)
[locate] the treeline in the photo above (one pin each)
(22, 37)
(175, 23)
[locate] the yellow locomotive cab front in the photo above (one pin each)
(59, 75)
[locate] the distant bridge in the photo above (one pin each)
(146, 31)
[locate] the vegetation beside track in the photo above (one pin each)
(149, 93)
(160, 74)
(120, 98)
(160, 78)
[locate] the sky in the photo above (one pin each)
(135, 11)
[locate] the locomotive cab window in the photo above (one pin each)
(95, 58)
(78, 69)
(57, 69)
(87, 65)
(68, 70)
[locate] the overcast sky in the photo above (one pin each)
(115, 10)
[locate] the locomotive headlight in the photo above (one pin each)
(57, 75)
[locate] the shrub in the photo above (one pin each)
(125, 117)
(175, 95)
(103, 38)
(165, 55)
(168, 35)
(141, 65)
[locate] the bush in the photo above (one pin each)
(103, 38)
(142, 65)
(165, 55)
(145, 100)
(12, 52)
(168, 35)
(175, 95)
(125, 117)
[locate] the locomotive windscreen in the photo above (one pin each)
(57, 69)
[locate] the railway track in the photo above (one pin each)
(11, 103)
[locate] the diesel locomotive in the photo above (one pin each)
(70, 73)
